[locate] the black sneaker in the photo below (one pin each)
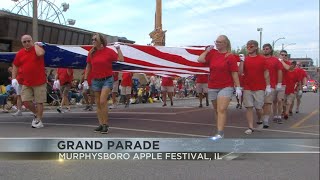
(171, 103)
(265, 126)
(200, 106)
(105, 129)
(280, 121)
(98, 129)
(86, 108)
(259, 122)
(207, 103)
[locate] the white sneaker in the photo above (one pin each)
(248, 131)
(37, 124)
(113, 106)
(33, 123)
(78, 104)
(14, 107)
(18, 113)
(216, 137)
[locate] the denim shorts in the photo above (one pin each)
(98, 85)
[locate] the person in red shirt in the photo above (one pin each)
(85, 92)
(293, 80)
(202, 87)
(256, 83)
(126, 87)
(167, 88)
(65, 77)
(99, 66)
(286, 68)
(30, 61)
(115, 89)
(222, 79)
(275, 73)
(303, 81)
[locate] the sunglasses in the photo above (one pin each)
(283, 55)
(218, 42)
(27, 41)
(249, 47)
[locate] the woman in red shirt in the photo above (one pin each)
(99, 64)
(223, 76)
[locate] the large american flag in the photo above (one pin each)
(157, 60)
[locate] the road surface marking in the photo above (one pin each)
(118, 128)
(297, 124)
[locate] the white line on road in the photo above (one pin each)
(206, 124)
(119, 128)
(115, 112)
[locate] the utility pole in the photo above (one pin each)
(35, 21)
(158, 35)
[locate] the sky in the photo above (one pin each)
(199, 22)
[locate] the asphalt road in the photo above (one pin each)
(184, 119)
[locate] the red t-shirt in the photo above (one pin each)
(202, 78)
(292, 79)
(253, 70)
(284, 73)
(167, 81)
(64, 77)
(126, 79)
(302, 73)
(273, 65)
(221, 68)
(101, 62)
(115, 76)
(32, 67)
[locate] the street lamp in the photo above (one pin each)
(284, 46)
(260, 30)
(274, 42)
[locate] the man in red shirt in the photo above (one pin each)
(30, 59)
(126, 87)
(293, 80)
(287, 67)
(275, 72)
(256, 83)
(303, 81)
(202, 87)
(65, 77)
(167, 88)
(115, 89)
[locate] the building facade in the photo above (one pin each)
(13, 26)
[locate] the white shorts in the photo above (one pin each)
(115, 86)
(253, 99)
(202, 87)
(126, 90)
(167, 89)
